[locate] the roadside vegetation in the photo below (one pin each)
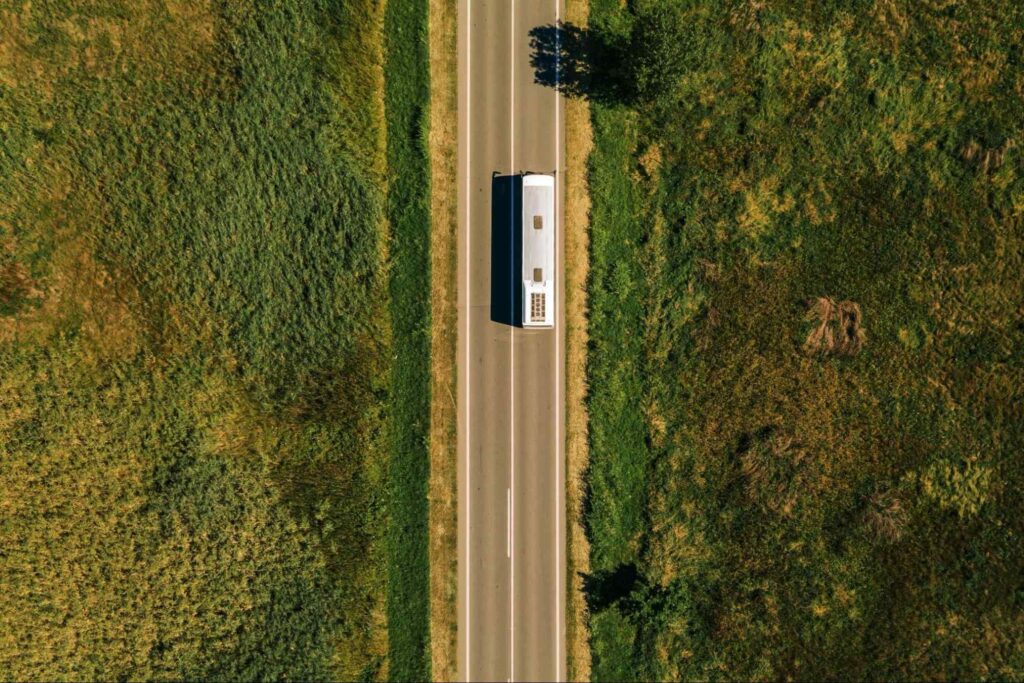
(579, 137)
(806, 320)
(407, 102)
(442, 21)
(200, 395)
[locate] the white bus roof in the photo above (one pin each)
(538, 226)
(538, 180)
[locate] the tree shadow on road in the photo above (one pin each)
(580, 62)
(642, 67)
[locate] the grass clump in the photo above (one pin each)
(773, 492)
(836, 327)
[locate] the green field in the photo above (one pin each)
(201, 274)
(806, 322)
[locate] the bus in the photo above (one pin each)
(538, 250)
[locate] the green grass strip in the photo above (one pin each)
(407, 96)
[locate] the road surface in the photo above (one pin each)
(511, 435)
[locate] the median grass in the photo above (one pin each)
(805, 328)
(201, 385)
(407, 101)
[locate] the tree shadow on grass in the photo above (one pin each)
(605, 588)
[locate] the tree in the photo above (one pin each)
(659, 49)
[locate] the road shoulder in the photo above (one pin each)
(443, 151)
(578, 143)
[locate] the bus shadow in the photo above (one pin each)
(506, 250)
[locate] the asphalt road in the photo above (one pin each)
(511, 477)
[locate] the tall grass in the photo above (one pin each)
(758, 509)
(407, 101)
(194, 344)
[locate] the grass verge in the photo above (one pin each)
(578, 145)
(407, 102)
(443, 145)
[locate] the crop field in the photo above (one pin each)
(196, 366)
(806, 320)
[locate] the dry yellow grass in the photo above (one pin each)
(443, 261)
(578, 143)
(104, 44)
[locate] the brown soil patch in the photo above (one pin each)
(837, 328)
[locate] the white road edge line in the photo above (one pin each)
(512, 347)
(558, 370)
(469, 312)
